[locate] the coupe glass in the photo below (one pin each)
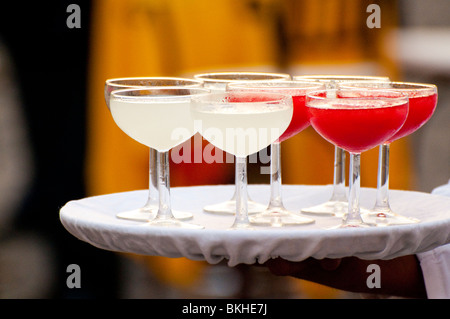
(148, 211)
(356, 122)
(276, 214)
(217, 83)
(242, 123)
(160, 118)
(337, 204)
(422, 103)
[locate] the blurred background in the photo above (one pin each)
(58, 141)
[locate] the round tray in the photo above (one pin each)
(94, 220)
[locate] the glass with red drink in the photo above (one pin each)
(357, 124)
(422, 103)
(337, 204)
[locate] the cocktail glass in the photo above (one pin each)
(276, 214)
(356, 121)
(148, 211)
(242, 123)
(217, 82)
(422, 103)
(160, 118)
(337, 204)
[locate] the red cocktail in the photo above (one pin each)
(421, 108)
(300, 118)
(357, 125)
(422, 103)
(357, 121)
(337, 204)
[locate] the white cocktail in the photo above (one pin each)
(148, 211)
(275, 213)
(241, 131)
(159, 118)
(154, 124)
(242, 124)
(217, 82)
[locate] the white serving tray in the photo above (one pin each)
(94, 221)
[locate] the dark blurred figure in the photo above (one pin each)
(50, 61)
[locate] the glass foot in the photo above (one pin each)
(386, 217)
(229, 207)
(278, 217)
(329, 208)
(241, 226)
(362, 223)
(351, 225)
(172, 222)
(149, 213)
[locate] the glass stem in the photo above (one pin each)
(233, 198)
(382, 198)
(162, 163)
(339, 194)
(241, 219)
(153, 180)
(353, 216)
(275, 176)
